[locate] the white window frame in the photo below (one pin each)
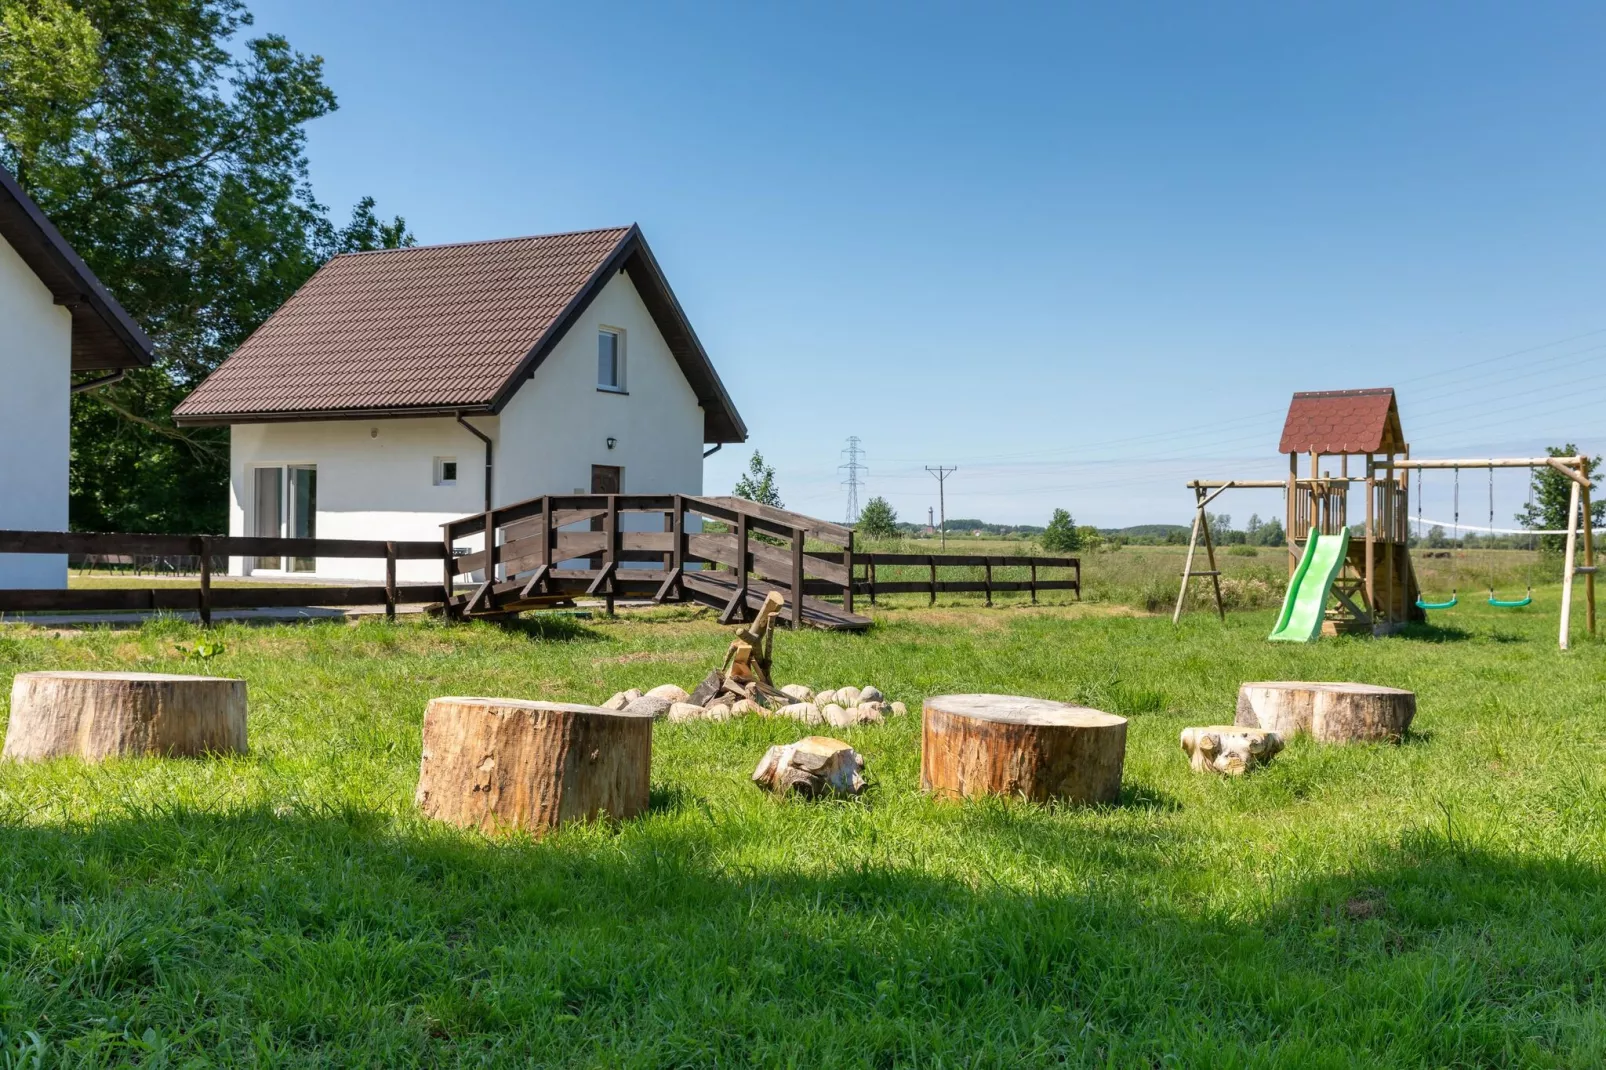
(619, 385)
(440, 472)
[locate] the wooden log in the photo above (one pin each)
(1330, 712)
(1231, 750)
(1007, 745)
(98, 715)
(813, 767)
(503, 764)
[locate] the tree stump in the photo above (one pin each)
(497, 764)
(1231, 750)
(1006, 745)
(813, 767)
(1330, 712)
(98, 715)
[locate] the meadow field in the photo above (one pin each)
(1437, 903)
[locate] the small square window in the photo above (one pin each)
(446, 471)
(610, 359)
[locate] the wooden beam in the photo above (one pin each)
(1567, 572)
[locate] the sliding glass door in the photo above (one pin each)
(285, 502)
(268, 503)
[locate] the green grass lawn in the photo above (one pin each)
(1440, 903)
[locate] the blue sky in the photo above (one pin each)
(1084, 252)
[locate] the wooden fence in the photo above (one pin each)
(205, 597)
(724, 552)
(535, 546)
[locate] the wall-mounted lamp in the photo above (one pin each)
(612, 442)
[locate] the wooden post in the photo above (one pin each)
(1371, 546)
(1589, 557)
(741, 564)
(448, 573)
(390, 581)
(1572, 559)
(1292, 512)
(1034, 581)
(1210, 555)
(206, 581)
(987, 564)
(610, 556)
(1187, 562)
(797, 578)
(932, 561)
(549, 532)
(847, 559)
(678, 556)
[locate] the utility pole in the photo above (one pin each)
(853, 482)
(942, 475)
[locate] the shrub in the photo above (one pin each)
(1061, 534)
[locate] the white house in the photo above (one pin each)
(403, 388)
(56, 319)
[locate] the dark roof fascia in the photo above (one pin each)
(217, 419)
(87, 288)
(633, 246)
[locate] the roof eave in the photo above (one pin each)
(87, 289)
(219, 419)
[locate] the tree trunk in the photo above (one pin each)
(1330, 712)
(1005, 745)
(97, 715)
(498, 764)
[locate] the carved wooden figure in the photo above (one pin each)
(1230, 750)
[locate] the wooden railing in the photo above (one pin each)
(205, 596)
(870, 583)
(525, 546)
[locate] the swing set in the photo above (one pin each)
(1368, 584)
(1455, 542)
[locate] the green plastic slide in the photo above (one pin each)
(1301, 618)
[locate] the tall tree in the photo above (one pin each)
(1550, 493)
(878, 519)
(758, 483)
(175, 164)
(1061, 534)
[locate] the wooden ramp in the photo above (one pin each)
(717, 589)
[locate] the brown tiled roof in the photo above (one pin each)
(104, 336)
(442, 328)
(1343, 421)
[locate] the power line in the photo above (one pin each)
(853, 468)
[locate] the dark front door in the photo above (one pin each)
(605, 479)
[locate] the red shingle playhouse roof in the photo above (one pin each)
(1343, 421)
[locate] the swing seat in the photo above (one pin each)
(1518, 603)
(1420, 604)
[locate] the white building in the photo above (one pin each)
(56, 319)
(404, 388)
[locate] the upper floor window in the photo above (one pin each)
(610, 359)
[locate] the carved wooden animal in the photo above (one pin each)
(1231, 750)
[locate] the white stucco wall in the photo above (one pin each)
(376, 480)
(559, 423)
(376, 477)
(35, 423)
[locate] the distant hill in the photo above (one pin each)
(1146, 531)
